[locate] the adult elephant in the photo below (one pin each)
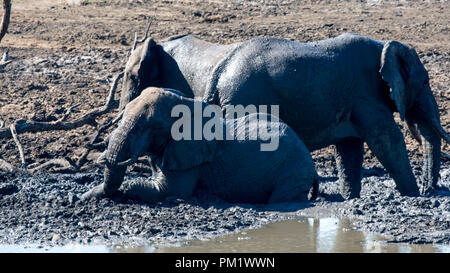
(340, 91)
(236, 169)
(182, 63)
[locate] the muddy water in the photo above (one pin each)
(324, 235)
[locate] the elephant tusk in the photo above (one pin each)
(102, 158)
(127, 162)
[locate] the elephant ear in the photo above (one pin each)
(147, 58)
(397, 63)
(186, 154)
(146, 48)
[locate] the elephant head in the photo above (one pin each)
(140, 72)
(410, 90)
(146, 129)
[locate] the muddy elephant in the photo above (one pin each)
(182, 63)
(340, 91)
(234, 165)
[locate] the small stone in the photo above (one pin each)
(56, 237)
(73, 199)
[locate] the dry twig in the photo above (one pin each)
(12, 128)
(3, 28)
(64, 162)
(5, 19)
(136, 41)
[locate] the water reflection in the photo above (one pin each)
(324, 235)
(298, 235)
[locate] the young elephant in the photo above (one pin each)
(236, 169)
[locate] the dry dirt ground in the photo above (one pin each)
(66, 52)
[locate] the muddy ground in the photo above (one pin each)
(65, 52)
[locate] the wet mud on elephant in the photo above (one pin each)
(182, 63)
(341, 91)
(239, 169)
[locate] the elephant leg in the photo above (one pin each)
(385, 140)
(295, 187)
(146, 191)
(163, 185)
(349, 159)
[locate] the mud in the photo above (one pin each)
(45, 210)
(65, 54)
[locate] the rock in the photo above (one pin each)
(73, 199)
(56, 237)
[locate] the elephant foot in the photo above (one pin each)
(426, 187)
(97, 192)
(314, 191)
(350, 190)
(349, 159)
(417, 190)
(411, 194)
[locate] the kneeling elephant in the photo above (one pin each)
(237, 169)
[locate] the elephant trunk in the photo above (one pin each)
(118, 150)
(113, 178)
(426, 117)
(431, 143)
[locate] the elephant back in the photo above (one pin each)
(242, 171)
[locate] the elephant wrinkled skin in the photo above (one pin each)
(236, 170)
(183, 63)
(340, 91)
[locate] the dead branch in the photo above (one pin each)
(3, 28)
(93, 143)
(64, 162)
(12, 128)
(67, 165)
(136, 41)
(61, 124)
(5, 19)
